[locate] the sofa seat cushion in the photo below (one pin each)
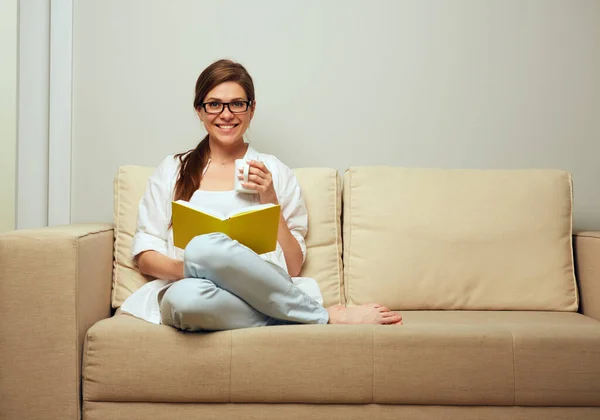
(437, 358)
(489, 357)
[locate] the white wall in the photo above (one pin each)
(34, 76)
(8, 112)
(461, 84)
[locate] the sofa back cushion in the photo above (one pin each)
(128, 188)
(321, 188)
(458, 239)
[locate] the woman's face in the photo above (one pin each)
(226, 127)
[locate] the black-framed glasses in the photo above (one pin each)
(235, 107)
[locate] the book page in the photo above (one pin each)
(250, 209)
(256, 229)
(212, 213)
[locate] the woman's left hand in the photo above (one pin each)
(261, 180)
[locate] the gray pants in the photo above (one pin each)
(228, 286)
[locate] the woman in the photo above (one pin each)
(216, 283)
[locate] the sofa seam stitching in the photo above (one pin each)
(347, 281)
(514, 370)
(85, 359)
(115, 278)
(571, 246)
(339, 238)
(337, 248)
(95, 232)
(78, 380)
(19, 233)
(372, 366)
(582, 235)
(230, 366)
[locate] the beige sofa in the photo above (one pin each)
(480, 263)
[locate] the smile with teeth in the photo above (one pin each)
(226, 126)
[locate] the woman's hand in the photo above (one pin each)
(155, 264)
(260, 179)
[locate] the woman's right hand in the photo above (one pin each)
(157, 265)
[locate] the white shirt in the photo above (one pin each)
(154, 215)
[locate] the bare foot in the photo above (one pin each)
(369, 313)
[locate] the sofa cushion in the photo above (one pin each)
(321, 188)
(490, 358)
(127, 359)
(437, 358)
(154, 411)
(128, 188)
(322, 191)
(459, 239)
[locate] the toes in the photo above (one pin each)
(391, 318)
(378, 307)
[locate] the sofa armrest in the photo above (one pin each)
(55, 283)
(587, 267)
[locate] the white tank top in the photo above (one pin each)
(223, 201)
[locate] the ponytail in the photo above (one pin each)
(192, 164)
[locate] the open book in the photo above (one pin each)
(255, 226)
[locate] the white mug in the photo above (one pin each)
(237, 183)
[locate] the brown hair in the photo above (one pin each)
(193, 161)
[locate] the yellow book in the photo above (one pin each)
(255, 226)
